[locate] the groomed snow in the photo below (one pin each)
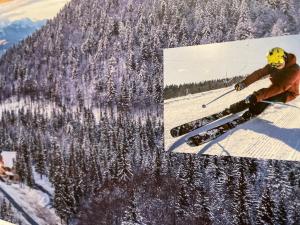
(34, 202)
(2, 222)
(43, 182)
(274, 134)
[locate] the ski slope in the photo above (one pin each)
(274, 134)
(35, 203)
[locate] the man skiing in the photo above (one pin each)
(285, 77)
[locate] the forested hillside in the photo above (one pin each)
(101, 146)
(174, 90)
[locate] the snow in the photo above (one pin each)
(34, 202)
(17, 215)
(274, 134)
(8, 158)
(2, 222)
(44, 182)
(46, 108)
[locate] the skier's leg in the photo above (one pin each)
(258, 108)
(238, 107)
(279, 98)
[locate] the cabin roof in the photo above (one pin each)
(8, 158)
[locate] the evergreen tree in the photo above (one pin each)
(124, 170)
(132, 215)
(265, 213)
(40, 158)
(158, 166)
(240, 199)
(244, 26)
(125, 97)
(183, 202)
(281, 214)
(3, 209)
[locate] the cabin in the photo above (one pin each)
(7, 166)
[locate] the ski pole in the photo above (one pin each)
(281, 103)
(204, 105)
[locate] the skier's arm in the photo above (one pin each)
(275, 89)
(256, 75)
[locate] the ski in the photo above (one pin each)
(216, 132)
(193, 125)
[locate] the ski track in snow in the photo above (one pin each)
(274, 134)
(34, 202)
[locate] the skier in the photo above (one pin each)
(285, 77)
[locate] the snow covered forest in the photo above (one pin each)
(174, 90)
(8, 213)
(101, 146)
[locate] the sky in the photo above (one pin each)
(220, 60)
(11, 10)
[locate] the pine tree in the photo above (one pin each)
(266, 209)
(281, 213)
(244, 28)
(241, 198)
(143, 71)
(94, 171)
(291, 20)
(9, 213)
(64, 198)
(124, 170)
(158, 166)
(3, 209)
(221, 27)
(132, 215)
(183, 33)
(58, 200)
(20, 165)
(278, 28)
(182, 203)
(111, 88)
(24, 164)
(124, 96)
(131, 61)
(158, 90)
(40, 158)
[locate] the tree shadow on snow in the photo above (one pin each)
(289, 136)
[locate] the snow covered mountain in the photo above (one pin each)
(272, 135)
(107, 55)
(13, 32)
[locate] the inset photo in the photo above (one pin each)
(234, 99)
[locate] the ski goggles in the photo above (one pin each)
(276, 65)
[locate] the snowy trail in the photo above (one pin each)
(275, 134)
(19, 208)
(33, 202)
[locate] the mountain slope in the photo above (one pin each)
(110, 52)
(13, 32)
(272, 135)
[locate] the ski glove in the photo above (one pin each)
(239, 86)
(251, 99)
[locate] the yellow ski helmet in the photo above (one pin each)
(276, 56)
